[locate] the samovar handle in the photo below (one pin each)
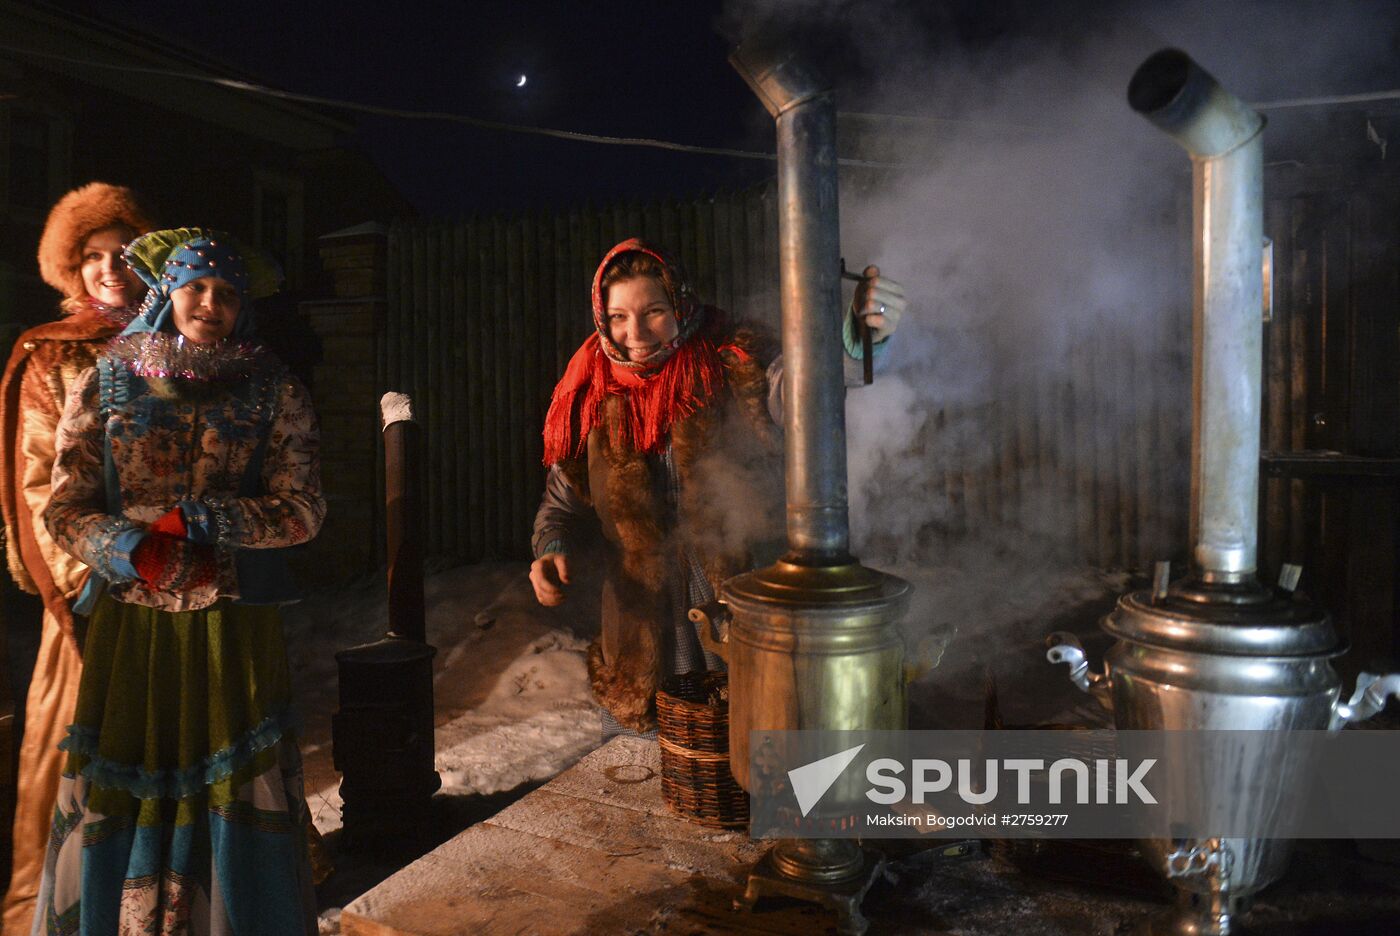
(1368, 699)
(1064, 647)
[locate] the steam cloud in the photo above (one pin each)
(1033, 419)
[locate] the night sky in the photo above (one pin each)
(659, 69)
(621, 68)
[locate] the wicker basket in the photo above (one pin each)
(693, 713)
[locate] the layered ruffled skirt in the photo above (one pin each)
(181, 808)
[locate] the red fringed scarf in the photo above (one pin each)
(656, 393)
(652, 402)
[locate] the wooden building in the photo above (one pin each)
(79, 105)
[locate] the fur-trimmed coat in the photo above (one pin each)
(43, 369)
(727, 458)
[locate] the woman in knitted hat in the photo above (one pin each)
(80, 255)
(187, 459)
(662, 429)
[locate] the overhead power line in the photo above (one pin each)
(571, 135)
(1328, 100)
(444, 116)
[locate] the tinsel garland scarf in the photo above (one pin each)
(166, 356)
(115, 316)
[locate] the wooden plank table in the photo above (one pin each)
(593, 851)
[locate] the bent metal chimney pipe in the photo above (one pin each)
(1224, 139)
(814, 408)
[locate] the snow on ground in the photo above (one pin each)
(510, 682)
(538, 719)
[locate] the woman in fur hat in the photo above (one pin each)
(80, 255)
(662, 429)
(186, 460)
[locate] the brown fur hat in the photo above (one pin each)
(86, 209)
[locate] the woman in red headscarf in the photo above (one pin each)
(663, 429)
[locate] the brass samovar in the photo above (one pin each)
(1217, 650)
(812, 643)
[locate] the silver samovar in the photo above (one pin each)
(1216, 649)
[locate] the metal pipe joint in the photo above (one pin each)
(780, 78)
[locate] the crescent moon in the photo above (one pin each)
(521, 82)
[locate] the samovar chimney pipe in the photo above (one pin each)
(1224, 139)
(809, 228)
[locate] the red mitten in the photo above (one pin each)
(173, 564)
(171, 523)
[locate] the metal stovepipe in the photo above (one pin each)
(1223, 137)
(814, 407)
(403, 517)
(382, 734)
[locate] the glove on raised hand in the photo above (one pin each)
(880, 302)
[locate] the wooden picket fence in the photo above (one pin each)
(484, 314)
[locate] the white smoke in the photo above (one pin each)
(1041, 229)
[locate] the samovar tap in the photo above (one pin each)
(1064, 647)
(1370, 697)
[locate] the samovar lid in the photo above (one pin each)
(1205, 620)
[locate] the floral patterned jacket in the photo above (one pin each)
(172, 446)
